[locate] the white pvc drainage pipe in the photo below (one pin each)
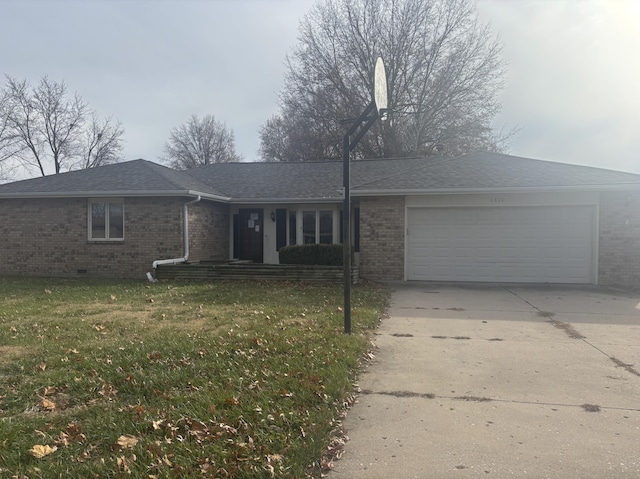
(186, 240)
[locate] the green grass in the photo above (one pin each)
(182, 379)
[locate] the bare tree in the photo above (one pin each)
(46, 128)
(444, 73)
(102, 142)
(200, 142)
(6, 140)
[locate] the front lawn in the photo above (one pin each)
(127, 379)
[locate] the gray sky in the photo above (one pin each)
(573, 82)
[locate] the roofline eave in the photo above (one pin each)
(273, 201)
(114, 194)
(514, 189)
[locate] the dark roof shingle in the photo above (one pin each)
(323, 180)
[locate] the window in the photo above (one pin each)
(317, 227)
(326, 227)
(292, 227)
(106, 220)
(309, 227)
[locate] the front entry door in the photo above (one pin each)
(250, 234)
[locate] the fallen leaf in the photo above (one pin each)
(47, 291)
(113, 297)
(274, 458)
(108, 391)
(99, 327)
(49, 390)
(42, 366)
(39, 451)
(157, 424)
(127, 440)
(48, 405)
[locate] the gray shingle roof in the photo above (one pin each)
(323, 180)
(272, 181)
(486, 171)
(131, 177)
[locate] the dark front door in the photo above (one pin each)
(250, 234)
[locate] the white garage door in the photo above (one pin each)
(509, 244)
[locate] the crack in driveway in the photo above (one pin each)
(572, 332)
(410, 394)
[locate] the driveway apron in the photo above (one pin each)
(496, 381)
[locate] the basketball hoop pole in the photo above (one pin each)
(376, 109)
(359, 128)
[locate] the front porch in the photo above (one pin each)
(254, 271)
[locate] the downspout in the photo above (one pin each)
(186, 239)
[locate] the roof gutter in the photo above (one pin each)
(186, 237)
(115, 193)
(515, 189)
(274, 201)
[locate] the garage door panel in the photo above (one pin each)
(526, 244)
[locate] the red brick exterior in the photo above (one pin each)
(619, 255)
(382, 238)
(48, 237)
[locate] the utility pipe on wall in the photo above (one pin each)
(186, 238)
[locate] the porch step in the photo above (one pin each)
(251, 271)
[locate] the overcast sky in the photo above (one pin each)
(573, 85)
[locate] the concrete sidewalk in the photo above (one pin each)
(475, 380)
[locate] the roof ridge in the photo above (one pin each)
(162, 170)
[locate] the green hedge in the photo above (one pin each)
(322, 254)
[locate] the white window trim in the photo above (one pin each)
(106, 201)
(299, 211)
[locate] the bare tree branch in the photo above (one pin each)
(444, 73)
(43, 128)
(102, 142)
(200, 142)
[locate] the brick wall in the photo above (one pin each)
(619, 255)
(48, 237)
(208, 231)
(382, 238)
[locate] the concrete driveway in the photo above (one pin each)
(495, 381)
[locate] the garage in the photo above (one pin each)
(533, 244)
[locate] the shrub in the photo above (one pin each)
(320, 254)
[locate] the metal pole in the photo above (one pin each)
(346, 230)
(359, 128)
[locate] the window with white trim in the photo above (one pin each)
(317, 227)
(106, 220)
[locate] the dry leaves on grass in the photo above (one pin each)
(39, 451)
(108, 391)
(47, 405)
(71, 434)
(127, 441)
(125, 462)
(49, 390)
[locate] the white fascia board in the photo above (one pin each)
(119, 194)
(273, 201)
(530, 189)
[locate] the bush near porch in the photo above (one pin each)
(175, 379)
(312, 254)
